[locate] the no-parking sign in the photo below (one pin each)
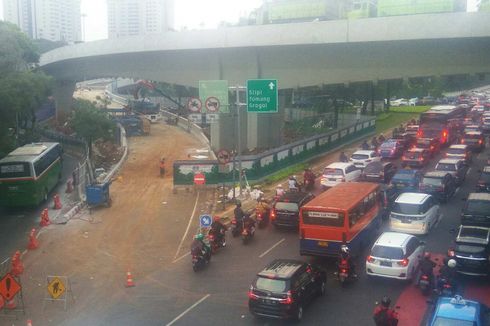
(194, 104)
(212, 104)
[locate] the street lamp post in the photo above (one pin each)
(83, 26)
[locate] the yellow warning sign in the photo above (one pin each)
(56, 288)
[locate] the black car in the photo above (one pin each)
(475, 140)
(471, 250)
(476, 210)
(483, 184)
(433, 145)
(284, 287)
(378, 172)
(438, 184)
(416, 158)
(285, 212)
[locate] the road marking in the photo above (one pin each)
(184, 255)
(439, 218)
(469, 170)
(457, 190)
(188, 226)
(268, 250)
(188, 309)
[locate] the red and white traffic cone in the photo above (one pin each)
(29, 322)
(129, 280)
(45, 218)
(33, 242)
(17, 266)
(57, 201)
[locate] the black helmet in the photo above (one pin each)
(385, 301)
(239, 204)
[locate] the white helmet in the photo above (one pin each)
(451, 263)
(345, 249)
(279, 186)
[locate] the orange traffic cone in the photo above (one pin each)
(11, 304)
(129, 280)
(44, 218)
(57, 201)
(29, 322)
(17, 266)
(33, 242)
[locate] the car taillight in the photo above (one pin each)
(273, 214)
(403, 263)
(404, 158)
(288, 299)
(462, 141)
(480, 141)
(425, 277)
(343, 271)
(421, 158)
(447, 286)
(392, 151)
(451, 253)
(370, 259)
(252, 295)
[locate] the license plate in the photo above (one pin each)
(385, 263)
(332, 179)
(269, 301)
(424, 282)
(372, 175)
(323, 243)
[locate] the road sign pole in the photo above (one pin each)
(239, 129)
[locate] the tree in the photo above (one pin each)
(91, 123)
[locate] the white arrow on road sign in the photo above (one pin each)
(205, 220)
(271, 86)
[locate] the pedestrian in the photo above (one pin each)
(162, 167)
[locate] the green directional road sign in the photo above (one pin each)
(262, 95)
(215, 92)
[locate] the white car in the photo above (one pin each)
(395, 255)
(413, 101)
(399, 102)
(338, 172)
(364, 157)
(414, 213)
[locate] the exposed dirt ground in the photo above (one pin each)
(139, 232)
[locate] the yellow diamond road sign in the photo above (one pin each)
(56, 288)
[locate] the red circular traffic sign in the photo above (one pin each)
(199, 178)
(212, 104)
(194, 104)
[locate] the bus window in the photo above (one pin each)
(14, 170)
(323, 218)
(45, 161)
(355, 214)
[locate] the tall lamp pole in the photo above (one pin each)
(83, 26)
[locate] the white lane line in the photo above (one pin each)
(188, 226)
(469, 170)
(188, 309)
(457, 190)
(268, 250)
(184, 255)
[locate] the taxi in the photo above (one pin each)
(457, 311)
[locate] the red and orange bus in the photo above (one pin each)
(348, 213)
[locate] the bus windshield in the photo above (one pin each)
(14, 170)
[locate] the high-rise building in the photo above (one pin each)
(139, 17)
(54, 20)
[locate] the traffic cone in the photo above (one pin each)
(129, 280)
(33, 242)
(11, 304)
(17, 266)
(44, 218)
(57, 201)
(29, 322)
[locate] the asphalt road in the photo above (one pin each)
(15, 224)
(217, 295)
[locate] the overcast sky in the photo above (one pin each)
(192, 14)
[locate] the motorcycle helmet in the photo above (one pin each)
(279, 186)
(216, 218)
(386, 301)
(239, 204)
(451, 263)
(199, 236)
(344, 249)
(427, 255)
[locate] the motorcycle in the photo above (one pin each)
(309, 184)
(200, 260)
(216, 242)
(445, 288)
(248, 233)
(262, 217)
(424, 284)
(344, 273)
(236, 228)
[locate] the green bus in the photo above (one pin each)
(29, 173)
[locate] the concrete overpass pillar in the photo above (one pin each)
(63, 95)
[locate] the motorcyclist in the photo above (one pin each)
(374, 143)
(365, 145)
(218, 230)
(383, 315)
(447, 272)
(395, 132)
(248, 223)
(345, 255)
(199, 247)
(308, 177)
(279, 190)
(262, 206)
(426, 268)
(401, 129)
(293, 183)
(343, 157)
(381, 139)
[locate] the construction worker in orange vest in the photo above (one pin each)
(162, 167)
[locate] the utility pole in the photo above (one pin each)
(239, 130)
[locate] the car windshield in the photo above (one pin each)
(445, 167)
(478, 207)
(387, 252)
(329, 171)
(443, 321)
(412, 155)
(456, 151)
(270, 285)
(432, 181)
(360, 156)
(485, 177)
(471, 137)
(409, 209)
(473, 233)
(469, 248)
(287, 206)
(423, 144)
(388, 145)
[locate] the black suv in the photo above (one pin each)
(440, 184)
(476, 210)
(284, 287)
(285, 212)
(483, 184)
(471, 250)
